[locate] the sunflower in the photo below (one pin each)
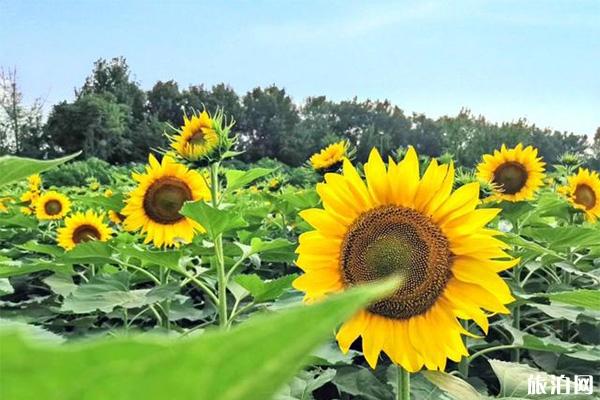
(329, 157)
(197, 137)
(416, 228)
(583, 191)
(116, 217)
(52, 205)
(3, 201)
(35, 182)
(81, 227)
(154, 205)
(515, 173)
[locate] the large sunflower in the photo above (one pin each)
(330, 156)
(154, 205)
(417, 228)
(197, 137)
(516, 173)
(81, 227)
(52, 205)
(583, 191)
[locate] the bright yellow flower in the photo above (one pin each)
(436, 240)
(516, 174)
(27, 210)
(153, 206)
(329, 156)
(3, 201)
(34, 182)
(115, 217)
(197, 137)
(30, 197)
(81, 227)
(52, 206)
(108, 193)
(583, 192)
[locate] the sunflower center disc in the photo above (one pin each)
(393, 240)
(198, 138)
(85, 233)
(52, 207)
(511, 177)
(164, 199)
(585, 196)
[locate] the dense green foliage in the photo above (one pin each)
(113, 119)
(135, 316)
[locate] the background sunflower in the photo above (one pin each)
(153, 206)
(330, 157)
(416, 228)
(516, 173)
(52, 205)
(583, 192)
(197, 137)
(82, 227)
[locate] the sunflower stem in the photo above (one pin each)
(463, 365)
(218, 242)
(403, 392)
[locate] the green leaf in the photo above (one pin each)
(19, 220)
(454, 386)
(303, 384)
(237, 179)
(16, 268)
(514, 378)
(106, 292)
(17, 168)
(61, 284)
(114, 202)
(224, 365)
(36, 247)
(265, 290)
(93, 252)
(215, 221)
(360, 382)
(586, 298)
(565, 237)
(532, 342)
(5, 287)
(168, 259)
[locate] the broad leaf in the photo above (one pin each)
(587, 298)
(216, 365)
(14, 169)
(215, 221)
(454, 386)
(106, 292)
(265, 290)
(237, 179)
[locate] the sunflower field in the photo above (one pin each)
(196, 276)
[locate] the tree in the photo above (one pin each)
(95, 124)
(267, 125)
(114, 77)
(20, 126)
(165, 102)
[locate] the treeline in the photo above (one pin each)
(112, 118)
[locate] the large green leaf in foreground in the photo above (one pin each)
(250, 361)
(13, 168)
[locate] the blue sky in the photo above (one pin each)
(503, 59)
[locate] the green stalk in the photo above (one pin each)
(463, 365)
(403, 392)
(516, 352)
(218, 242)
